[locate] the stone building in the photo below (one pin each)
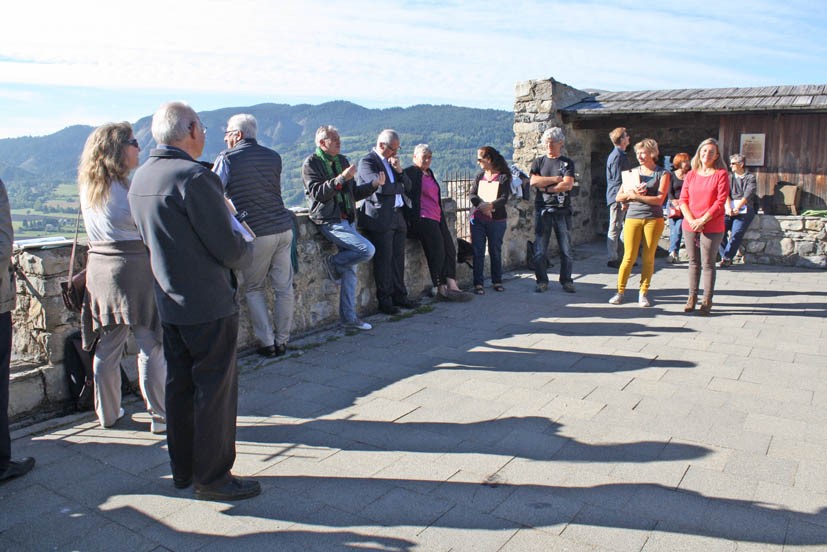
(786, 125)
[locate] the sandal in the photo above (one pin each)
(498, 287)
(479, 290)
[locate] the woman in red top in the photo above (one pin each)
(703, 197)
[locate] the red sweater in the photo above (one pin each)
(706, 194)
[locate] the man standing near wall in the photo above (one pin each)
(381, 218)
(330, 186)
(251, 174)
(552, 175)
(617, 162)
(178, 206)
(9, 469)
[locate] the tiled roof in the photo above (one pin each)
(806, 97)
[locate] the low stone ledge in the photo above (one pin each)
(787, 240)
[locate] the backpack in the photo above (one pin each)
(78, 366)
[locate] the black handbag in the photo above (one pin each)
(74, 289)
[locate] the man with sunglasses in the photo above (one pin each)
(383, 222)
(251, 174)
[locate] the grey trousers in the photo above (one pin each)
(614, 235)
(152, 372)
(271, 256)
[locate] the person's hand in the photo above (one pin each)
(697, 224)
(486, 208)
(395, 163)
(380, 180)
(349, 172)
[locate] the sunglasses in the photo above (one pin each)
(133, 142)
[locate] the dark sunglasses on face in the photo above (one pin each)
(133, 142)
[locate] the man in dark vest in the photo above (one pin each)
(251, 174)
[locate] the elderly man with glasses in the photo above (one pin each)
(251, 175)
(382, 220)
(179, 209)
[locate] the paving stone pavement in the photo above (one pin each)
(516, 422)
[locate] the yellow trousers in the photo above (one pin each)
(637, 232)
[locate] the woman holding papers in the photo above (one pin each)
(739, 210)
(703, 199)
(119, 283)
(644, 191)
(489, 194)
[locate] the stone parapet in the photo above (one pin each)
(787, 240)
(42, 323)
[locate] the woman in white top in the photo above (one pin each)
(119, 282)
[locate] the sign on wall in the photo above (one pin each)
(752, 148)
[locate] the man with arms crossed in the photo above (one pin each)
(178, 206)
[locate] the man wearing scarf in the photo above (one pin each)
(332, 191)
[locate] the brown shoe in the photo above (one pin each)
(706, 307)
(690, 303)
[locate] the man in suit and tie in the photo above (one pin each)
(380, 217)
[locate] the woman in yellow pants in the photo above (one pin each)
(644, 218)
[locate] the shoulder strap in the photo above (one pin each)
(74, 247)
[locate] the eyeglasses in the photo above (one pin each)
(133, 142)
(199, 123)
(396, 149)
(228, 131)
(480, 159)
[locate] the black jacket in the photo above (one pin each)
(322, 191)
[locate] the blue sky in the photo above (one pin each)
(89, 62)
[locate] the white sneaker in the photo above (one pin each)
(358, 325)
(616, 299)
(157, 427)
(643, 300)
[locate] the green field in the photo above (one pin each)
(54, 217)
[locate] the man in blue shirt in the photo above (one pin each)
(615, 165)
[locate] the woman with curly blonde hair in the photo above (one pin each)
(119, 283)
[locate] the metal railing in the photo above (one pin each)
(456, 186)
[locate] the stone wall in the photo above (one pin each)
(786, 240)
(42, 323)
(535, 110)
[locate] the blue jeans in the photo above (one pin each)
(560, 222)
(736, 227)
(492, 231)
(354, 249)
(675, 234)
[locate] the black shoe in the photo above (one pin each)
(613, 264)
(268, 351)
(568, 287)
(406, 303)
(237, 488)
(281, 350)
(181, 483)
(16, 468)
(389, 309)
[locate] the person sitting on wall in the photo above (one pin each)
(426, 221)
(331, 189)
(740, 209)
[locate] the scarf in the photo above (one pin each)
(333, 168)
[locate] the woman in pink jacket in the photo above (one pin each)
(703, 197)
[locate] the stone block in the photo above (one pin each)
(815, 224)
(54, 381)
(752, 235)
(792, 224)
(543, 89)
(527, 127)
(754, 246)
(816, 261)
(522, 90)
(805, 248)
(28, 392)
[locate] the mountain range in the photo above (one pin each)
(32, 167)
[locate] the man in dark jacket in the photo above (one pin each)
(332, 192)
(617, 162)
(382, 219)
(251, 174)
(9, 469)
(179, 208)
